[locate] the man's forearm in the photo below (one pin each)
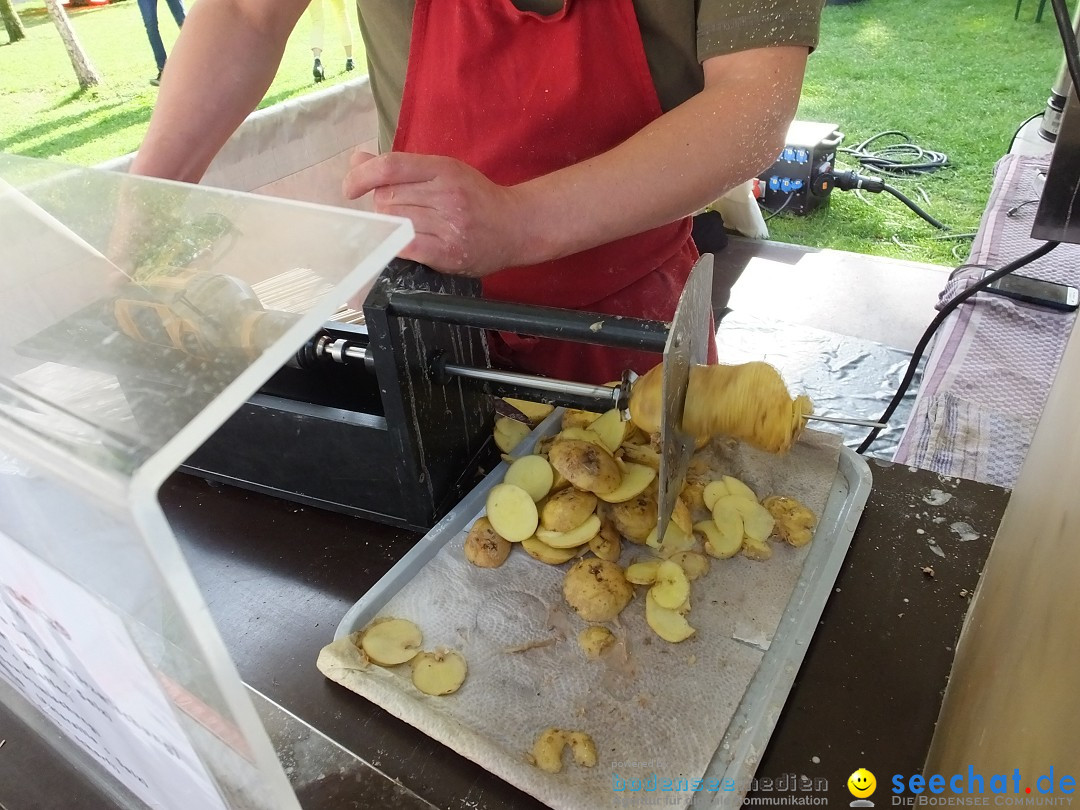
(222, 65)
(679, 163)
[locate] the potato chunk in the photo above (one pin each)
(484, 547)
(586, 465)
(794, 521)
(597, 590)
(566, 509)
(595, 639)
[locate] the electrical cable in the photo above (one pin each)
(1024, 123)
(897, 159)
(945, 311)
(914, 206)
(1068, 40)
(853, 181)
(790, 197)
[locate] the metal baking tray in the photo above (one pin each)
(736, 758)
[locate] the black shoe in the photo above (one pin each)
(349, 64)
(156, 80)
(318, 71)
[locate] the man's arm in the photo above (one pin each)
(223, 62)
(679, 163)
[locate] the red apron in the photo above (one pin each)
(517, 95)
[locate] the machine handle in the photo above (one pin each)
(551, 322)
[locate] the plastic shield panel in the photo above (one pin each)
(135, 318)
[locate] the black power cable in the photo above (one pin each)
(897, 159)
(850, 180)
(946, 310)
(913, 206)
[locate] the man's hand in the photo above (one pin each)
(465, 224)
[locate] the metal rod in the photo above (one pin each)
(598, 393)
(524, 319)
(845, 420)
(581, 394)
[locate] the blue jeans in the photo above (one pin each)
(148, 9)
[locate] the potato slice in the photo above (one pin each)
(671, 588)
(635, 480)
(693, 494)
(694, 564)
(595, 639)
(606, 545)
(681, 515)
(539, 550)
(675, 539)
(534, 411)
(512, 512)
(567, 509)
(533, 474)
(714, 490)
(548, 748)
(597, 590)
(582, 435)
(484, 547)
(583, 748)
(509, 433)
(641, 454)
(578, 536)
(573, 417)
(757, 522)
(643, 573)
(611, 429)
(670, 625)
(439, 673)
(755, 550)
(390, 642)
(587, 466)
(722, 543)
(737, 487)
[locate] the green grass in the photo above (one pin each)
(44, 114)
(957, 76)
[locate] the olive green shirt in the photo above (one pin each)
(678, 36)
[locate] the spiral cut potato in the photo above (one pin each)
(748, 402)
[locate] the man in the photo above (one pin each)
(554, 148)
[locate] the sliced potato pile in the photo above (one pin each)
(592, 487)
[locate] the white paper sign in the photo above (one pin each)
(73, 659)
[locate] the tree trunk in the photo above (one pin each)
(12, 23)
(88, 76)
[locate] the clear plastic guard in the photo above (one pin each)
(136, 316)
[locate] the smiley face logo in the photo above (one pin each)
(862, 784)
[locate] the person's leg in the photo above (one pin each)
(337, 8)
(318, 31)
(177, 9)
(148, 10)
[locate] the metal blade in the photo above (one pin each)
(687, 344)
